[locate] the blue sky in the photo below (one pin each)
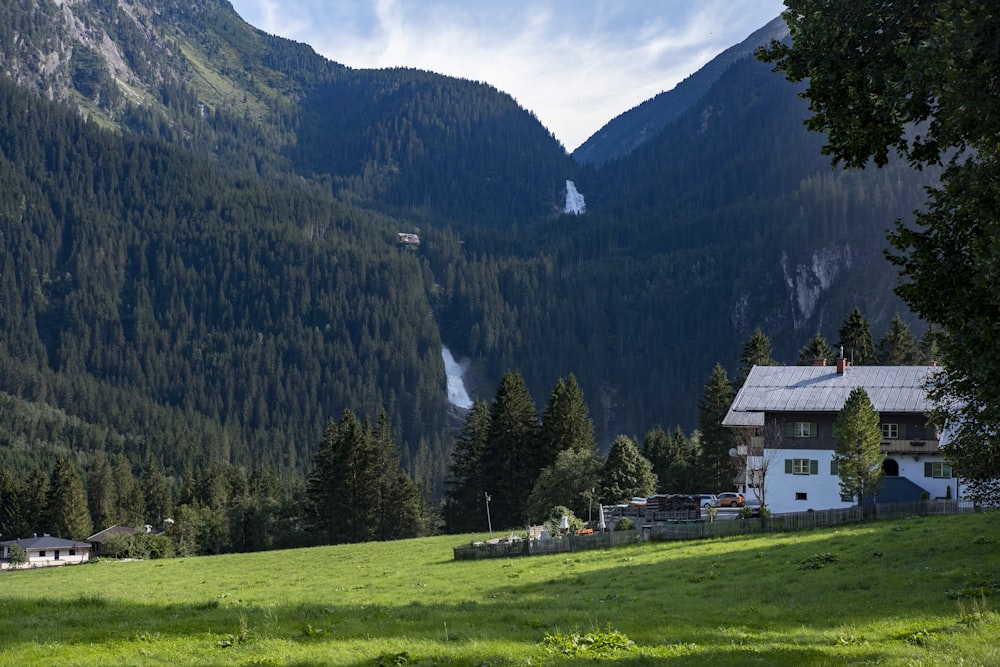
(576, 65)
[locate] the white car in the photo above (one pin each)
(706, 500)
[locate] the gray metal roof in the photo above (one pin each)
(823, 389)
(45, 542)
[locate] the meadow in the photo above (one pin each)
(917, 591)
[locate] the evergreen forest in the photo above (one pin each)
(203, 298)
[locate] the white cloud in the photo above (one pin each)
(575, 65)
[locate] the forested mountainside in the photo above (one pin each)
(200, 257)
(625, 132)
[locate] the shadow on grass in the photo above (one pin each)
(734, 600)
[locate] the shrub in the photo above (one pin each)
(554, 520)
(625, 523)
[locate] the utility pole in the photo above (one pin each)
(488, 521)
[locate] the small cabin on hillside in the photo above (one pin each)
(407, 239)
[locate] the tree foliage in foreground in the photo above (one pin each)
(919, 79)
(858, 453)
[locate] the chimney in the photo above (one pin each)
(819, 362)
(842, 365)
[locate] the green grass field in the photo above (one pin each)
(909, 592)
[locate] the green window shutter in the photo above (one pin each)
(902, 431)
(789, 429)
(813, 467)
(834, 468)
(788, 466)
(813, 430)
(928, 469)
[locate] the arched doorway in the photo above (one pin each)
(890, 468)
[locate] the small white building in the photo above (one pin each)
(46, 551)
(785, 417)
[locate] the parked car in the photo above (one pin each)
(706, 500)
(731, 499)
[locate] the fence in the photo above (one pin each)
(696, 530)
(520, 547)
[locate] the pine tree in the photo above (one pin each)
(399, 511)
(715, 465)
(566, 422)
(858, 452)
(898, 347)
(155, 491)
(66, 505)
(856, 340)
(341, 483)
(627, 474)
(12, 521)
(130, 506)
(101, 493)
(673, 457)
(511, 460)
(756, 352)
(464, 505)
(817, 348)
(34, 503)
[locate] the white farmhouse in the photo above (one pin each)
(785, 415)
(45, 551)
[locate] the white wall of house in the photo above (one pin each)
(799, 491)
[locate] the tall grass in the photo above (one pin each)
(916, 591)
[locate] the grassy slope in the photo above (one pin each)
(746, 600)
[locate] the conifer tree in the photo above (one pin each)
(399, 508)
(656, 450)
(816, 348)
(511, 460)
(627, 474)
(465, 503)
(66, 505)
(756, 352)
(566, 422)
(34, 505)
(342, 482)
(12, 520)
(856, 339)
(130, 507)
(155, 491)
(101, 493)
(898, 347)
(858, 452)
(715, 465)
(673, 457)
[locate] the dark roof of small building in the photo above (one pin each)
(111, 531)
(45, 542)
(898, 389)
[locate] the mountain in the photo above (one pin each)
(200, 256)
(624, 133)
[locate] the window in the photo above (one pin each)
(937, 469)
(41, 554)
(57, 554)
(834, 467)
(801, 467)
(800, 429)
(72, 552)
(893, 431)
(800, 495)
(846, 498)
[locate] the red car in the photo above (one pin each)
(731, 499)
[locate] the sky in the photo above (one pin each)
(575, 65)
